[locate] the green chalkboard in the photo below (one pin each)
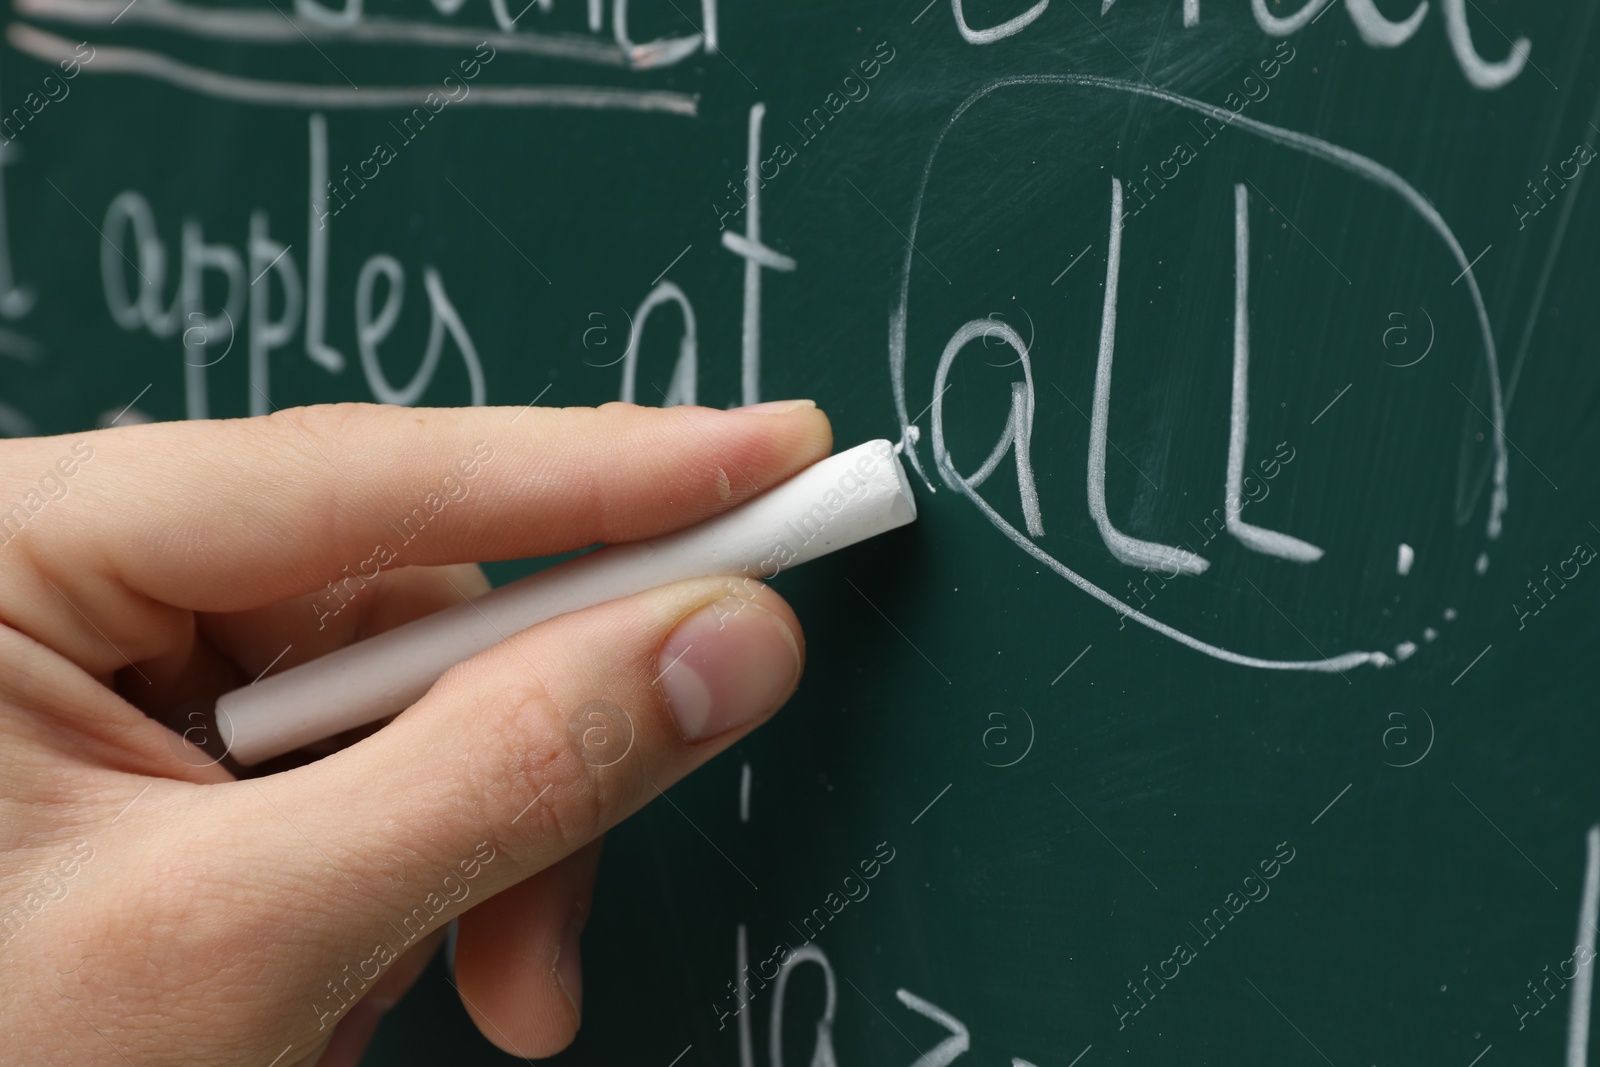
(1232, 701)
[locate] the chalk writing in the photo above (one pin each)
(1267, 542)
(1128, 549)
(1374, 29)
(1254, 489)
(757, 257)
(133, 242)
(119, 59)
(351, 24)
(1362, 167)
(855, 889)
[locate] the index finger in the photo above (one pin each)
(234, 514)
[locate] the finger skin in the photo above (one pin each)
(235, 649)
(228, 919)
(224, 516)
(507, 954)
(253, 639)
(493, 776)
(355, 1031)
(504, 728)
(295, 893)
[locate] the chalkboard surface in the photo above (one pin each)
(1233, 700)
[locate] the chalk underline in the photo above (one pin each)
(109, 59)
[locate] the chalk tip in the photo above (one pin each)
(905, 508)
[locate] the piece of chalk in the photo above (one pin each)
(844, 499)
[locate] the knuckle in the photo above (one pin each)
(319, 424)
(307, 441)
(527, 775)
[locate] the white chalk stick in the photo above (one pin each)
(844, 499)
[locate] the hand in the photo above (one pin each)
(156, 907)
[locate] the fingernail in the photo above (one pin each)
(569, 965)
(776, 407)
(726, 664)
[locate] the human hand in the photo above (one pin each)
(157, 908)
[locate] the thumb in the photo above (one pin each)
(529, 751)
